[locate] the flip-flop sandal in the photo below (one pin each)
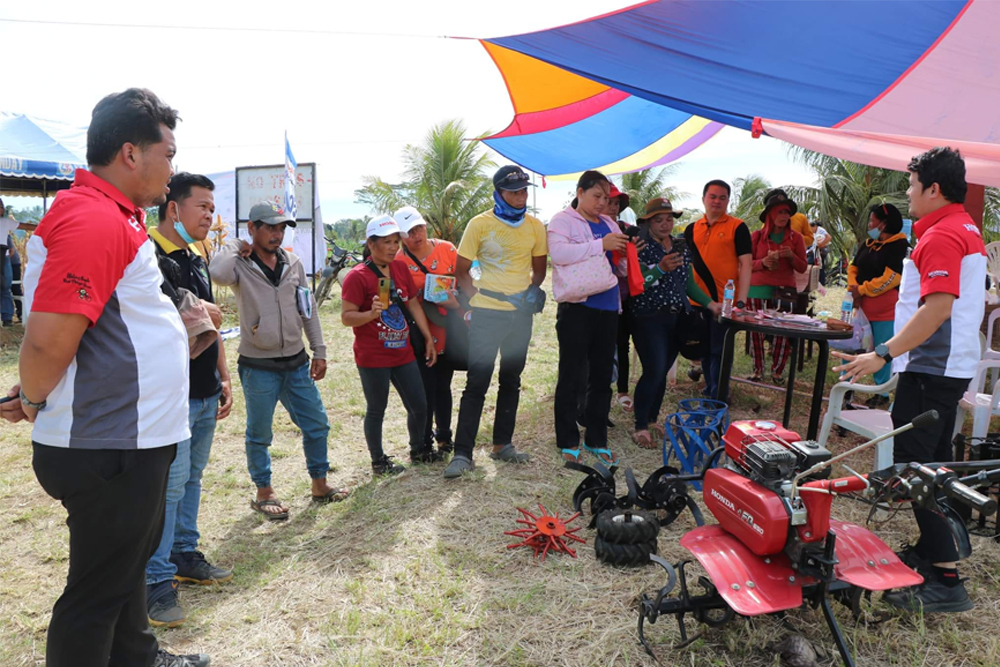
(271, 516)
(626, 402)
(332, 496)
(603, 455)
(575, 453)
(643, 440)
(658, 428)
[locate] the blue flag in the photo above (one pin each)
(291, 206)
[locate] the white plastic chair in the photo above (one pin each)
(980, 404)
(993, 260)
(866, 423)
(992, 349)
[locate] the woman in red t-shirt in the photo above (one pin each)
(382, 348)
(436, 257)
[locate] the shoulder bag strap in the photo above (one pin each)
(699, 263)
(420, 265)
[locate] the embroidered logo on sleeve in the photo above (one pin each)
(938, 274)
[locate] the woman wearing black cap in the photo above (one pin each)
(873, 279)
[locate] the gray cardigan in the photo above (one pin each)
(270, 323)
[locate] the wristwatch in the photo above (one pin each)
(882, 350)
(28, 403)
(740, 305)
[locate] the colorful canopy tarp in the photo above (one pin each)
(878, 69)
(565, 124)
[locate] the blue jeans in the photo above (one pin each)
(881, 333)
(298, 393)
(6, 301)
(654, 336)
(180, 526)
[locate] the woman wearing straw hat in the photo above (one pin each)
(667, 276)
(778, 252)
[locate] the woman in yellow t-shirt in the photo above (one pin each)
(438, 257)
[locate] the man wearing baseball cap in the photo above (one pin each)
(275, 306)
(511, 250)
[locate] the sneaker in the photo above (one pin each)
(445, 447)
(459, 464)
(165, 659)
(426, 455)
(386, 466)
(192, 567)
(162, 606)
(694, 374)
(931, 596)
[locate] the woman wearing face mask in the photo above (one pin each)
(778, 252)
(582, 243)
(423, 256)
(382, 350)
(873, 280)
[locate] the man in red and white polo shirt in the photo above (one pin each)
(104, 379)
(935, 350)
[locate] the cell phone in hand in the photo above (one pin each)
(679, 245)
(383, 291)
(7, 399)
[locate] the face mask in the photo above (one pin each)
(874, 233)
(507, 213)
(179, 228)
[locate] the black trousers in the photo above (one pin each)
(624, 333)
(584, 334)
(375, 384)
(506, 333)
(917, 393)
(437, 388)
(115, 500)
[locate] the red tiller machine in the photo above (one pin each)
(775, 546)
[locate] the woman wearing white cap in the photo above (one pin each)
(427, 259)
(373, 300)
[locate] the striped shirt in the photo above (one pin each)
(127, 386)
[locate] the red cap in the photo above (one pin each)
(615, 192)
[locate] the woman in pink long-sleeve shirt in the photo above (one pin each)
(778, 252)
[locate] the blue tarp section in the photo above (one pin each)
(816, 62)
(41, 149)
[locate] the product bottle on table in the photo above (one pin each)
(847, 307)
(728, 293)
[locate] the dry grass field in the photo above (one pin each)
(414, 570)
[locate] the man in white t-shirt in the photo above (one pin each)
(7, 228)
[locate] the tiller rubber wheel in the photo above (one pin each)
(545, 533)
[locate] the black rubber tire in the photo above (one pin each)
(624, 555)
(619, 526)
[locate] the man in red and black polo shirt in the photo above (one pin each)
(104, 378)
(935, 350)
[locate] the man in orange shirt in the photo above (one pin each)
(725, 250)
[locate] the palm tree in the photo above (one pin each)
(748, 197)
(641, 186)
(846, 193)
(446, 178)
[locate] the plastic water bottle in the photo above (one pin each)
(728, 294)
(475, 271)
(847, 307)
